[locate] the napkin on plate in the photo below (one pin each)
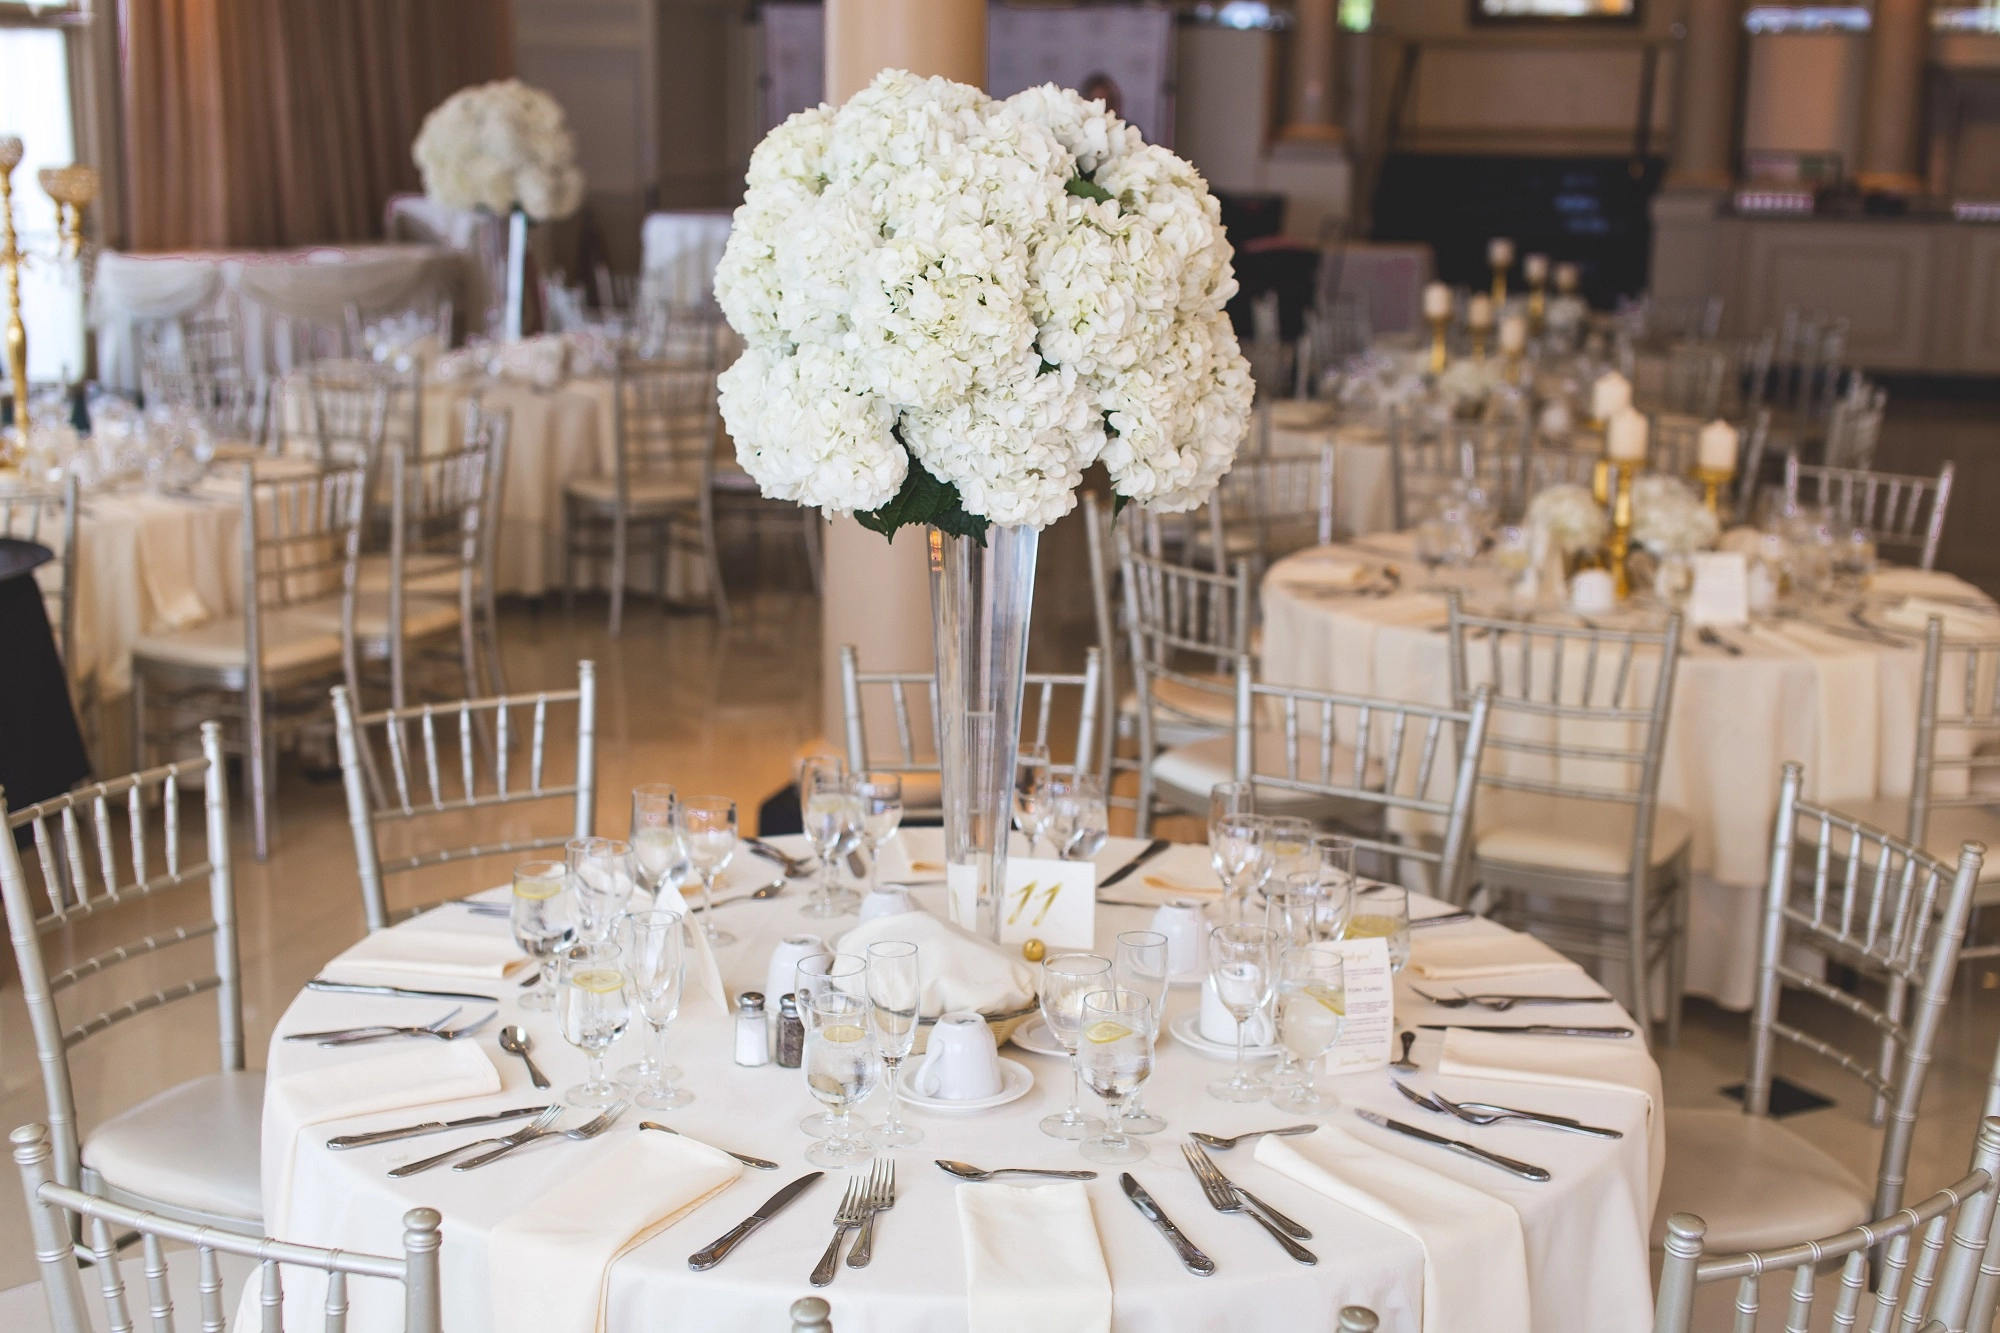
(1620, 1066)
(1032, 1259)
(1470, 957)
(1324, 571)
(1960, 622)
(958, 969)
(419, 1075)
(1183, 869)
(1475, 1259)
(460, 950)
(551, 1261)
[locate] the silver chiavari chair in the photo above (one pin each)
(1903, 513)
(106, 860)
(197, 363)
(53, 1208)
(1266, 508)
(915, 759)
(1570, 811)
(445, 785)
(1696, 374)
(1864, 899)
(350, 408)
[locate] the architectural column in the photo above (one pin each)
(1312, 107)
(1711, 80)
(878, 592)
(1892, 101)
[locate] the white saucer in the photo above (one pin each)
(1015, 1081)
(1034, 1035)
(1187, 1031)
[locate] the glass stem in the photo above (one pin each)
(1114, 1120)
(1242, 1069)
(826, 879)
(895, 1121)
(874, 850)
(597, 1066)
(657, 1057)
(1075, 1112)
(708, 900)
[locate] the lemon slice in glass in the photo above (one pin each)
(537, 890)
(598, 980)
(1106, 1031)
(1328, 996)
(842, 1032)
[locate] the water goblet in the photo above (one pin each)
(540, 916)
(1066, 979)
(833, 825)
(1241, 962)
(1289, 840)
(600, 870)
(895, 989)
(1227, 799)
(594, 1006)
(1312, 1008)
(1088, 819)
(1031, 765)
(1117, 1056)
(1336, 879)
(1382, 911)
(1055, 805)
(881, 799)
(655, 949)
(821, 974)
(842, 1067)
(708, 839)
(656, 841)
(1139, 965)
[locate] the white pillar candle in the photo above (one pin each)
(1514, 334)
(1500, 252)
(1568, 277)
(1715, 448)
(1625, 438)
(1479, 312)
(1437, 301)
(1610, 395)
(1535, 268)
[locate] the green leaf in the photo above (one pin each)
(1118, 503)
(1085, 188)
(924, 499)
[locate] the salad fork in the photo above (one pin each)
(881, 1198)
(534, 1127)
(853, 1212)
(1224, 1197)
(1500, 1004)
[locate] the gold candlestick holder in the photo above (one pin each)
(10, 263)
(1499, 286)
(1538, 304)
(1479, 332)
(1618, 475)
(1712, 481)
(73, 188)
(1439, 323)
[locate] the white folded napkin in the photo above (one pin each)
(458, 949)
(422, 1074)
(1566, 1062)
(1475, 1259)
(1183, 869)
(701, 967)
(959, 970)
(1032, 1259)
(1960, 622)
(551, 1261)
(1324, 572)
(1469, 957)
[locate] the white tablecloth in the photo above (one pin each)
(1844, 708)
(1585, 1231)
(1363, 492)
(678, 254)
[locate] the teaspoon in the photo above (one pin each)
(514, 1039)
(966, 1171)
(768, 891)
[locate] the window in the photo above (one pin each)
(35, 105)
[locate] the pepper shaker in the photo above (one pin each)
(753, 1038)
(791, 1033)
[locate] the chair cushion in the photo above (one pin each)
(421, 615)
(1569, 833)
(1189, 702)
(194, 1146)
(430, 574)
(1197, 767)
(1755, 1182)
(647, 492)
(291, 642)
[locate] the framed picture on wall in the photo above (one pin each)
(1582, 12)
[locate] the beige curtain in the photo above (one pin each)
(250, 123)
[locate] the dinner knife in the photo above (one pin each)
(1533, 1029)
(1441, 919)
(704, 1259)
(1191, 1258)
(1525, 1170)
(1152, 849)
(429, 1127)
(402, 992)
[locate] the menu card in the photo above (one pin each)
(1721, 594)
(1371, 1007)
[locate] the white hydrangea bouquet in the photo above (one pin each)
(1571, 517)
(953, 305)
(498, 146)
(1668, 518)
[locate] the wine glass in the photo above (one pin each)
(656, 845)
(540, 915)
(833, 825)
(1066, 979)
(1289, 840)
(1031, 765)
(881, 799)
(1116, 1055)
(654, 944)
(1382, 911)
(1088, 818)
(1236, 850)
(1139, 965)
(842, 1068)
(1294, 911)
(1336, 879)
(708, 838)
(895, 989)
(1241, 962)
(594, 1005)
(827, 973)
(1312, 1007)
(601, 871)
(1055, 810)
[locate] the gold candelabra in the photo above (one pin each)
(1439, 323)
(10, 262)
(1618, 476)
(73, 188)
(1499, 286)
(1712, 481)
(1538, 303)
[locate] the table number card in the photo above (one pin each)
(1047, 900)
(1371, 1007)
(1721, 594)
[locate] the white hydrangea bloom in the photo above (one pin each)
(499, 145)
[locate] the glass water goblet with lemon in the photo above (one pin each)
(1139, 965)
(1312, 1008)
(842, 1068)
(594, 1004)
(539, 913)
(1116, 1054)
(1382, 911)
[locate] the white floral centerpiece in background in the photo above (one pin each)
(1668, 518)
(1571, 517)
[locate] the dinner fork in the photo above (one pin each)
(1500, 1004)
(853, 1212)
(1225, 1198)
(442, 1034)
(1485, 1113)
(374, 1029)
(536, 1126)
(590, 1129)
(881, 1198)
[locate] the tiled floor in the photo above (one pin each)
(684, 701)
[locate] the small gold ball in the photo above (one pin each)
(1034, 950)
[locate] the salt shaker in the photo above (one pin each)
(791, 1033)
(752, 1038)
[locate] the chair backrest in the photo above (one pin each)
(431, 798)
(1927, 1259)
(437, 526)
(1671, 443)
(1854, 425)
(1955, 715)
(1427, 464)
(197, 363)
(1555, 465)
(301, 543)
(52, 1205)
(103, 853)
(1178, 615)
(917, 753)
(1901, 512)
(1872, 901)
(666, 420)
(1577, 711)
(48, 517)
(1284, 502)
(351, 411)
(1365, 750)
(1696, 373)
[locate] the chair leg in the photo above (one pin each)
(1677, 952)
(569, 558)
(138, 718)
(256, 774)
(1636, 932)
(712, 555)
(1143, 821)
(620, 534)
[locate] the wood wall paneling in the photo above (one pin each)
(1878, 277)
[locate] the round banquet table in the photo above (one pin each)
(1363, 491)
(1585, 1232)
(1817, 688)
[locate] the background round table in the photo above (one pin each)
(41, 747)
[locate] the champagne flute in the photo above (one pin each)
(1236, 850)
(1382, 911)
(842, 1067)
(708, 839)
(1312, 1008)
(595, 1007)
(895, 989)
(881, 799)
(656, 844)
(1031, 765)
(1241, 962)
(1055, 807)
(1089, 819)
(654, 945)
(821, 974)
(833, 824)
(540, 915)
(1066, 979)
(1117, 1057)
(600, 869)
(1227, 799)
(1139, 965)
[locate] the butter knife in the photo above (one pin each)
(708, 1257)
(400, 992)
(1152, 849)
(1525, 1170)
(1442, 919)
(1533, 1029)
(429, 1127)
(1191, 1258)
